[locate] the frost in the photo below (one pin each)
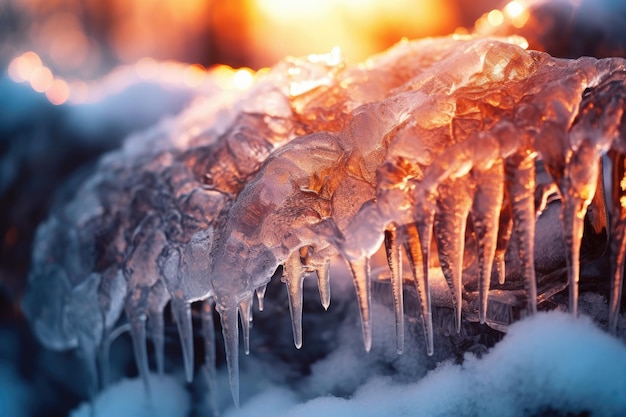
(436, 149)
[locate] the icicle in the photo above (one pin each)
(485, 213)
(138, 336)
(572, 231)
(230, 330)
(505, 228)
(105, 350)
(156, 325)
(88, 348)
(520, 172)
(245, 313)
(617, 237)
(543, 196)
(415, 255)
(618, 255)
(157, 300)
(453, 206)
(293, 276)
(579, 189)
(394, 259)
(260, 295)
(208, 330)
(323, 283)
(182, 315)
(360, 270)
(424, 218)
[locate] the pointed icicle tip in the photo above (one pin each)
(208, 330)
(323, 283)
(418, 259)
(449, 229)
(520, 170)
(486, 209)
(245, 311)
(260, 296)
(293, 276)
(229, 316)
(182, 314)
(361, 277)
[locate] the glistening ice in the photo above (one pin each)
(442, 150)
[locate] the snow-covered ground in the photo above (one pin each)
(551, 362)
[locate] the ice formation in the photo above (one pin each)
(442, 149)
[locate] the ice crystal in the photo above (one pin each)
(434, 149)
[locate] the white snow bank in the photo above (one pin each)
(549, 361)
(127, 398)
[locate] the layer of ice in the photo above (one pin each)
(433, 147)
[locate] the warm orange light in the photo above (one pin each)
(194, 75)
(495, 18)
(40, 79)
(243, 78)
(513, 9)
(58, 92)
(360, 27)
(520, 20)
(22, 67)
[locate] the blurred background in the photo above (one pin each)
(87, 38)
(54, 55)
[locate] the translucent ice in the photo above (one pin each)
(433, 148)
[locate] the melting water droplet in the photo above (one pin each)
(260, 295)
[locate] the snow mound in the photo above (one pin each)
(127, 398)
(551, 362)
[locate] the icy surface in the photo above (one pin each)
(434, 149)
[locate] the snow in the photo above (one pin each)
(127, 398)
(551, 361)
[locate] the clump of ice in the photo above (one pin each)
(127, 398)
(549, 362)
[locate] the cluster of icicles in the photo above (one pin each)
(434, 141)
